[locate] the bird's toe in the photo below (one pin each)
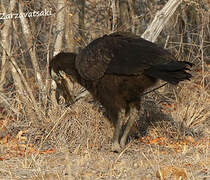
(122, 143)
(116, 147)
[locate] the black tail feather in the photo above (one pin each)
(172, 72)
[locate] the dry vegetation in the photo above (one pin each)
(40, 139)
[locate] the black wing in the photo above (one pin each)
(119, 53)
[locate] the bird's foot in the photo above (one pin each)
(116, 147)
(122, 143)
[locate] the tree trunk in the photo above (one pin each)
(135, 24)
(32, 51)
(60, 27)
(123, 16)
(20, 82)
(125, 23)
(81, 7)
(115, 14)
(6, 42)
(161, 19)
(69, 30)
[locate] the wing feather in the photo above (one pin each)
(121, 54)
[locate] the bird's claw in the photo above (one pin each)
(116, 147)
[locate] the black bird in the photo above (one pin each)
(116, 69)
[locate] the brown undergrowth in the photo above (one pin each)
(170, 139)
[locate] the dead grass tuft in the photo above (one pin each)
(192, 107)
(74, 142)
(81, 126)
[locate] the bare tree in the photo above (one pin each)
(81, 27)
(69, 29)
(125, 21)
(124, 18)
(19, 79)
(6, 44)
(115, 14)
(60, 26)
(28, 36)
(161, 19)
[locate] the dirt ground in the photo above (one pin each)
(138, 161)
(75, 143)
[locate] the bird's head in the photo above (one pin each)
(63, 71)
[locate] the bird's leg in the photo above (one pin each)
(133, 116)
(118, 127)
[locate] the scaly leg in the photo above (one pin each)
(133, 116)
(118, 127)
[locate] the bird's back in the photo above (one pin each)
(121, 54)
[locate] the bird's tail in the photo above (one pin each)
(172, 72)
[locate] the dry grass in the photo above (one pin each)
(74, 142)
(79, 139)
